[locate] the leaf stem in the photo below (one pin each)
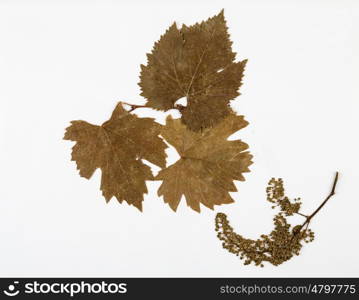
(134, 106)
(303, 215)
(179, 107)
(310, 217)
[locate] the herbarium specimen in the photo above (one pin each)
(283, 242)
(196, 62)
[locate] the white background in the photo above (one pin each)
(68, 60)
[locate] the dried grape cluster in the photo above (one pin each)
(283, 242)
(276, 194)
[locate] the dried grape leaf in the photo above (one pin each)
(117, 147)
(208, 165)
(196, 62)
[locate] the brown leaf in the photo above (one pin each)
(196, 62)
(208, 165)
(117, 147)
